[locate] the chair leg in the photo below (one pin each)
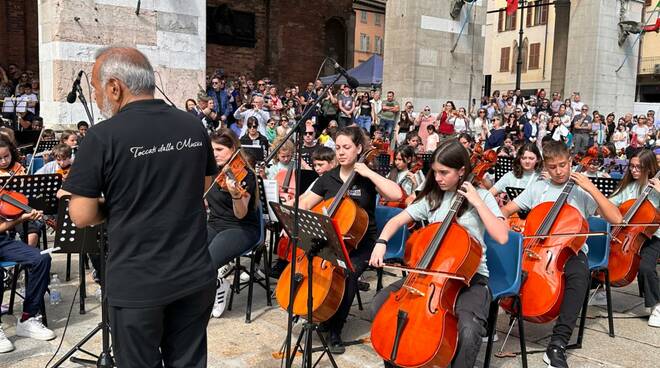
(359, 299)
(521, 331)
(248, 310)
(379, 282)
(492, 322)
(236, 283)
(269, 301)
(68, 267)
(44, 318)
(44, 238)
(14, 283)
(608, 293)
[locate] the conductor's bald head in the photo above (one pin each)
(121, 75)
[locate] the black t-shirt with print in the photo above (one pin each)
(222, 208)
(307, 152)
(149, 162)
(362, 191)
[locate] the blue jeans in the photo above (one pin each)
(387, 126)
(364, 122)
(38, 271)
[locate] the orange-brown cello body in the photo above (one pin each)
(328, 280)
(543, 261)
(286, 184)
(627, 242)
(430, 335)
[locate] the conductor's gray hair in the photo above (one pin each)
(129, 66)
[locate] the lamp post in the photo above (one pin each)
(519, 62)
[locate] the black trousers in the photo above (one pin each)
(577, 280)
(359, 259)
(648, 276)
(228, 244)
(472, 311)
(172, 335)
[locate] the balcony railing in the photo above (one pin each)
(647, 64)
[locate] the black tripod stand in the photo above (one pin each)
(319, 237)
(79, 242)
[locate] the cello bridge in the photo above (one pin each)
(413, 290)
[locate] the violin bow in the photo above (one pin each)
(36, 146)
(448, 275)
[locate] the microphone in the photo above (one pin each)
(71, 97)
(349, 79)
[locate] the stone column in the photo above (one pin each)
(171, 33)
(594, 55)
(560, 46)
(418, 64)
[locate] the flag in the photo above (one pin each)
(511, 6)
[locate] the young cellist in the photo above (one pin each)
(401, 173)
(526, 169)
(449, 170)
(641, 170)
(367, 183)
(587, 199)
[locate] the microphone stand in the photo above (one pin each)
(83, 101)
(296, 129)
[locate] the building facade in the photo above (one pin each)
(648, 77)
(369, 29)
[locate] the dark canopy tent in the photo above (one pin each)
(369, 73)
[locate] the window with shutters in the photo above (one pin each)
(378, 45)
(530, 16)
(500, 21)
(510, 22)
(504, 59)
(377, 19)
(364, 42)
(363, 16)
(541, 13)
(534, 55)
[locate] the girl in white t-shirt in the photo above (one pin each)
(432, 140)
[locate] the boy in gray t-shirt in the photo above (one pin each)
(587, 199)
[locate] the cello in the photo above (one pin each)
(286, 184)
(544, 256)
(627, 241)
(401, 203)
(417, 325)
(328, 281)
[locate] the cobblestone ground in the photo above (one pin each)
(233, 343)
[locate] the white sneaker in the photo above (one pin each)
(654, 319)
(245, 277)
(484, 339)
(221, 294)
(599, 298)
(34, 329)
(5, 345)
(225, 270)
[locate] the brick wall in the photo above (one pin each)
(290, 39)
(18, 35)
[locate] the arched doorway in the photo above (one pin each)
(335, 43)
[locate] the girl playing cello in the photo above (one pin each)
(451, 165)
(641, 171)
(367, 183)
(526, 169)
(402, 174)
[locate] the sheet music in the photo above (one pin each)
(272, 195)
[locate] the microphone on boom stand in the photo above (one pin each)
(76, 91)
(351, 81)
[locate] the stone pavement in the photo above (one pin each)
(232, 343)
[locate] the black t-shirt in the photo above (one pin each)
(306, 154)
(362, 191)
(260, 141)
(365, 109)
(149, 162)
(222, 208)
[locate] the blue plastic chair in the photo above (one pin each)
(598, 256)
(253, 254)
(396, 246)
(505, 269)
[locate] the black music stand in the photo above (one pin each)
(45, 145)
(503, 166)
(91, 239)
(381, 164)
(319, 237)
(513, 192)
(426, 159)
(607, 186)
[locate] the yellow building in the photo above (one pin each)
(501, 49)
(648, 77)
(369, 29)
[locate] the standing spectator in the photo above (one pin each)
(521, 120)
(530, 129)
(388, 114)
(495, 137)
(329, 109)
(273, 103)
(650, 115)
(6, 87)
(446, 118)
(582, 129)
(620, 139)
(423, 120)
(82, 129)
(190, 106)
(365, 113)
(254, 108)
(610, 125)
(556, 102)
(377, 103)
(598, 129)
(309, 144)
(271, 131)
(22, 81)
(346, 107)
(30, 99)
(205, 112)
(508, 108)
(253, 137)
(640, 132)
(221, 98)
(432, 140)
(404, 126)
(284, 128)
(462, 122)
(576, 104)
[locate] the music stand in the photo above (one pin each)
(503, 166)
(382, 164)
(319, 236)
(256, 151)
(607, 186)
(91, 239)
(45, 145)
(513, 192)
(426, 159)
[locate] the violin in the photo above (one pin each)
(483, 163)
(401, 203)
(13, 204)
(544, 256)
(16, 169)
(417, 325)
(63, 172)
(627, 241)
(236, 169)
(286, 184)
(328, 286)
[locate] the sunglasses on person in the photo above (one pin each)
(261, 84)
(309, 133)
(427, 109)
(252, 126)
